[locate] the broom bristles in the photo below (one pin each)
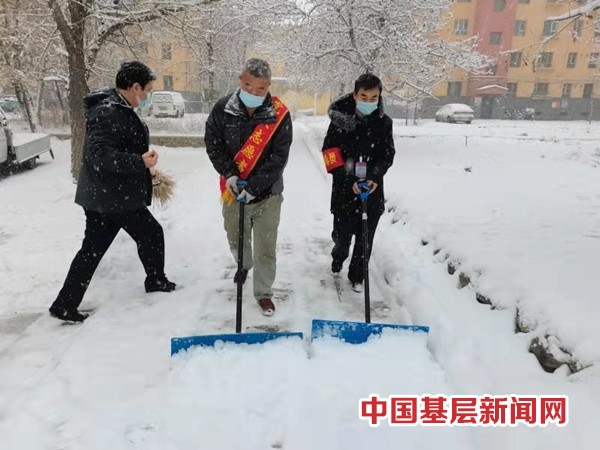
(163, 187)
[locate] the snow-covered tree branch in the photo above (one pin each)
(27, 53)
(584, 10)
(326, 44)
(219, 37)
(86, 26)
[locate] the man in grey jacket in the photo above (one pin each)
(248, 137)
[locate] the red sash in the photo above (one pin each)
(250, 152)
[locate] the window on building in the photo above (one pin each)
(545, 59)
(540, 89)
(461, 26)
(588, 89)
(454, 89)
(523, 1)
(520, 27)
(550, 27)
(166, 51)
(499, 5)
(571, 60)
(597, 32)
(168, 82)
(566, 91)
(593, 62)
(512, 89)
(577, 26)
(492, 69)
(495, 38)
(515, 59)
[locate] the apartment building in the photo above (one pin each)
(178, 70)
(551, 66)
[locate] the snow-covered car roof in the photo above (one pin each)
(458, 106)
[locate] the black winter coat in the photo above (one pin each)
(370, 137)
(113, 177)
(228, 127)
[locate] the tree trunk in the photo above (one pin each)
(78, 89)
(26, 102)
(211, 73)
(72, 31)
(38, 109)
(78, 83)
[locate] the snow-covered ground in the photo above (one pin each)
(521, 221)
(522, 217)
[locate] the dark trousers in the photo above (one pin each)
(100, 231)
(344, 227)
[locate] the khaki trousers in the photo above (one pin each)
(261, 221)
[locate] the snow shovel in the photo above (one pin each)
(359, 332)
(183, 343)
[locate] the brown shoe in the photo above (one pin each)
(267, 306)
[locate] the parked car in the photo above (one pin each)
(455, 112)
(164, 104)
(10, 104)
(22, 149)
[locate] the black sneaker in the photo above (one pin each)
(68, 315)
(244, 276)
(160, 285)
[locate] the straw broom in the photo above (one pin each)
(163, 187)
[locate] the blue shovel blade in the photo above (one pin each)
(356, 332)
(183, 343)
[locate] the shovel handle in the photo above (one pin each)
(240, 264)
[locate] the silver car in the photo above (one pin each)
(454, 113)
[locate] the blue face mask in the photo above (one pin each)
(146, 102)
(366, 108)
(250, 100)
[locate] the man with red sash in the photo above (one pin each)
(359, 146)
(248, 137)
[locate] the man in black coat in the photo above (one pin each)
(115, 187)
(359, 146)
(248, 137)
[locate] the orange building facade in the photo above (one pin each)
(547, 65)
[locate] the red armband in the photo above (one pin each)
(333, 158)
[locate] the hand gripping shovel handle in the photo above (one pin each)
(364, 195)
(240, 264)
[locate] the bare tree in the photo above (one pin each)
(26, 50)
(326, 44)
(86, 26)
(218, 39)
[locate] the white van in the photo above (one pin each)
(166, 104)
